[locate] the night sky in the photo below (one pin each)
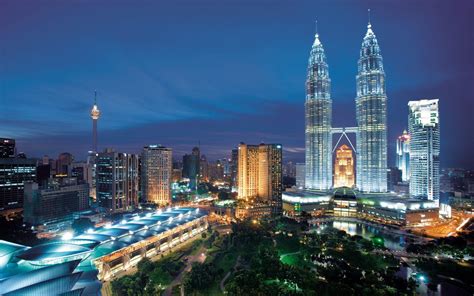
(221, 72)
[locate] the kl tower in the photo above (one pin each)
(95, 114)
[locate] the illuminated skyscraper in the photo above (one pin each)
(371, 113)
(403, 155)
(260, 174)
(156, 174)
(318, 109)
(14, 172)
(423, 126)
(117, 180)
(95, 114)
(344, 167)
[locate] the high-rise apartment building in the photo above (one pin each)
(403, 155)
(117, 180)
(260, 174)
(7, 148)
(371, 114)
(156, 174)
(318, 109)
(423, 126)
(344, 167)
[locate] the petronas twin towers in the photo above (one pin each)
(371, 110)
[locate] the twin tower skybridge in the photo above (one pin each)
(343, 131)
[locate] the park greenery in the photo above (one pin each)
(284, 257)
(152, 277)
(289, 262)
(456, 247)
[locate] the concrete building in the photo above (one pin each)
(234, 167)
(382, 208)
(117, 180)
(423, 125)
(53, 203)
(203, 169)
(344, 167)
(82, 171)
(64, 164)
(156, 174)
(7, 148)
(394, 177)
(260, 174)
(14, 172)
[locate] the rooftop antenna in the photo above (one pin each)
(317, 28)
(95, 97)
(368, 14)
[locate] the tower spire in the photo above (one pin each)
(368, 16)
(95, 97)
(316, 36)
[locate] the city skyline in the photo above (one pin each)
(205, 105)
(259, 147)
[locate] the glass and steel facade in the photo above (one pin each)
(117, 180)
(14, 172)
(371, 113)
(300, 175)
(403, 155)
(318, 114)
(423, 126)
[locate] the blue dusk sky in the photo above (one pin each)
(221, 72)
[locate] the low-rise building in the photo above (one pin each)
(253, 211)
(378, 207)
(54, 203)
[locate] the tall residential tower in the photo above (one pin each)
(318, 109)
(156, 173)
(260, 174)
(371, 113)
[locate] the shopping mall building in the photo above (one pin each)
(384, 208)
